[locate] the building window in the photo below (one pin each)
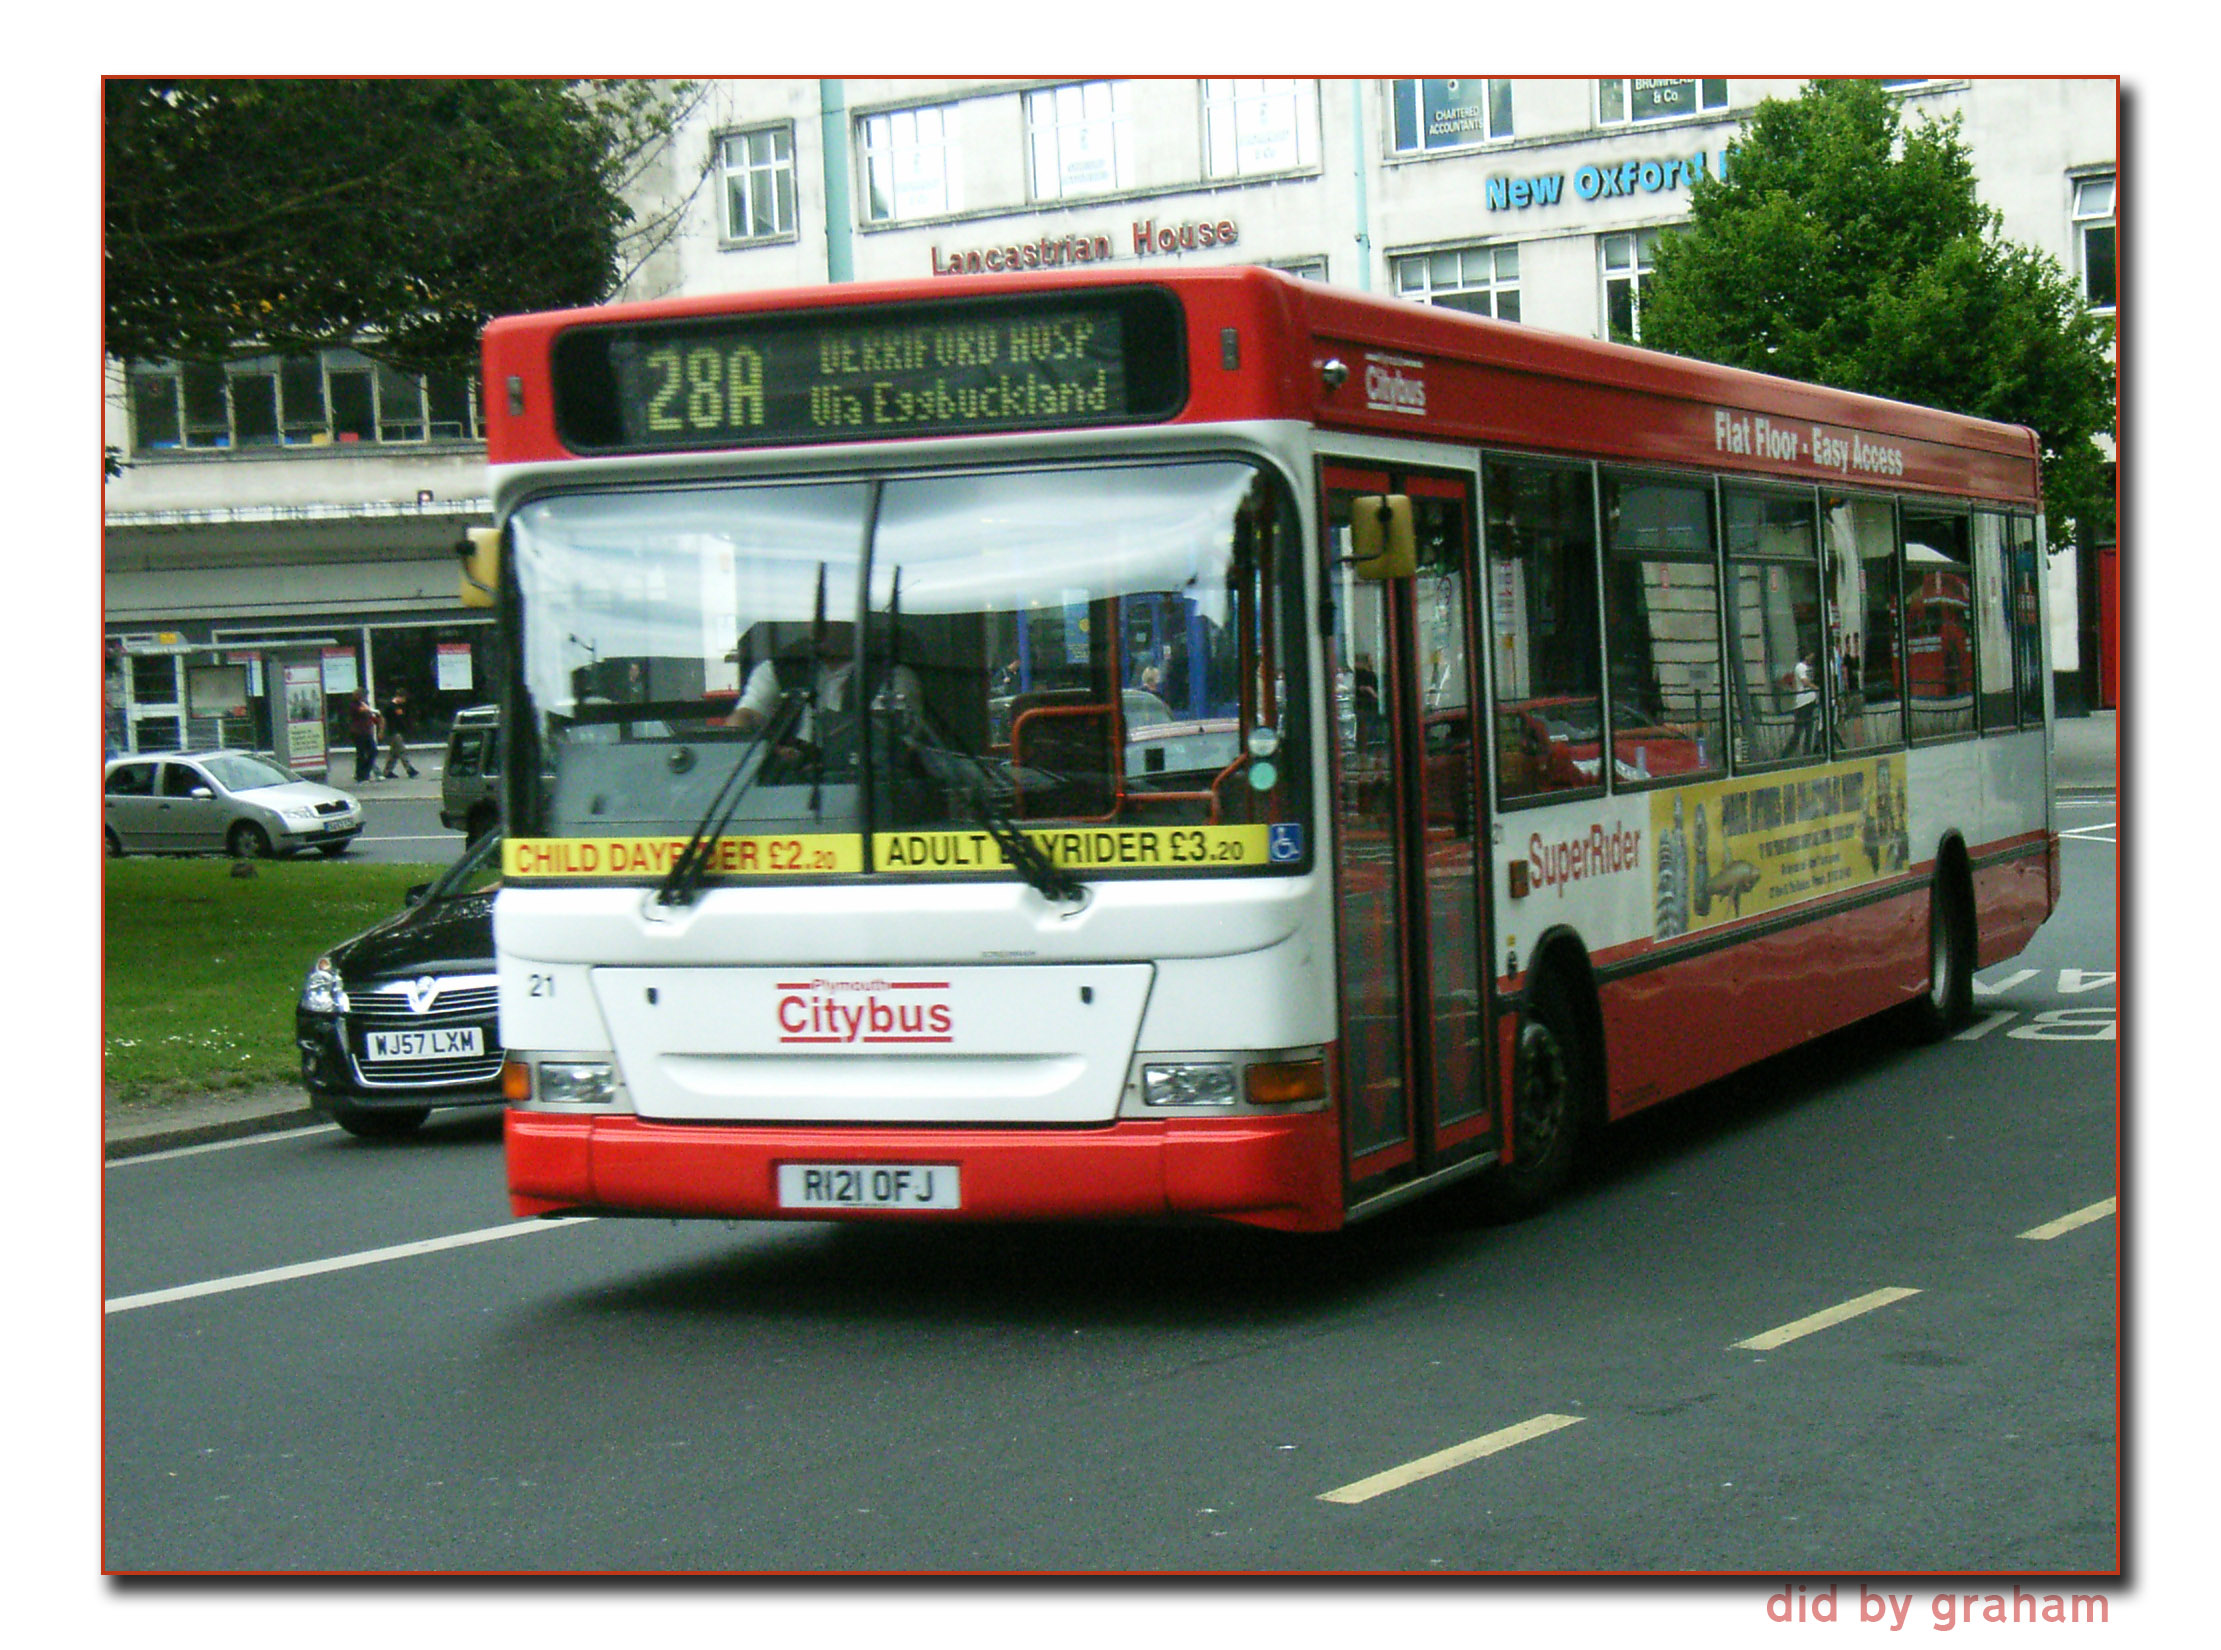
(1627, 259)
(1483, 280)
(316, 400)
(2094, 239)
(759, 183)
(1304, 269)
(1632, 98)
(1082, 140)
(1259, 126)
(1449, 114)
(909, 164)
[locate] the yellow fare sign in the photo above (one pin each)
(523, 858)
(1108, 848)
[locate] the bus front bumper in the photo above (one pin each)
(1282, 1172)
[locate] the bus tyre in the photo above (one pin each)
(1550, 1105)
(1948, 1002)
(374, 1123)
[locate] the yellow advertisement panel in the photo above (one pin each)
(1743, 847)
(1083, 848)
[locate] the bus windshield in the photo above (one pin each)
(919, 655)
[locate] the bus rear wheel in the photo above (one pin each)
(1550, 1105)
(1948, 1002)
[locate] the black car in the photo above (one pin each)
(402, 1018)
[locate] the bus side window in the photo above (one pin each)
(1938, 576)
(1864, 657)
(1541, 540)
(1662, 629)
(1774, 621)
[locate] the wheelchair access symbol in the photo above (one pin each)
(1285, 844)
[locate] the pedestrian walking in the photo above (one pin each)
(397, 720)
(362, 724)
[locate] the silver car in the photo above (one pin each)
(222, 802)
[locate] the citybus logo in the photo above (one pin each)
(1394, 383)
(874, 1012)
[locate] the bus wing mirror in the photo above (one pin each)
(480, 553)
(1381, 541)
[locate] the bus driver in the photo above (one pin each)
(789, 672)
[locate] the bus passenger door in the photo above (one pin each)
(1410, 834)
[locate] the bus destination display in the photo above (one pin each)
(946, 369)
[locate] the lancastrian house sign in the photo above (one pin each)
(1150, 239)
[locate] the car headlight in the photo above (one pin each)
(324, 993)
(306, 810)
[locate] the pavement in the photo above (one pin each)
(2086, 756)
(2086, 763)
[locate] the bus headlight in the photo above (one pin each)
(577, 1083)
(1187, 1084)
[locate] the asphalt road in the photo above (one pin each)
(1577, 1393)
(403, 828)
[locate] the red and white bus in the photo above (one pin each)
(1215, 744)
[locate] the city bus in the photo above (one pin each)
(1073, 746)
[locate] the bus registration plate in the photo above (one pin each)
(441, 1043)
(869, 1186)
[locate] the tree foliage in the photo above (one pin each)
(1849, 248)
(396, 216)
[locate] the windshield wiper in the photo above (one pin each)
(982, 788)
(1025, 855)
(682, 884)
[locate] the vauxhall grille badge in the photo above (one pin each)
(421, 994)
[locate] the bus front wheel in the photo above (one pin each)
(1550, 1104)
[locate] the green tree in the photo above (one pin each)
(1846, 247)
(395, 216)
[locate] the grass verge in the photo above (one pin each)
(203, 967)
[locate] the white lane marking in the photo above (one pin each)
(1822, 1320)
(2092, 833)
(223, 1145)
(1395, 1478)
(1987, 1024)
(2067, 1223)
(338, 1263)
